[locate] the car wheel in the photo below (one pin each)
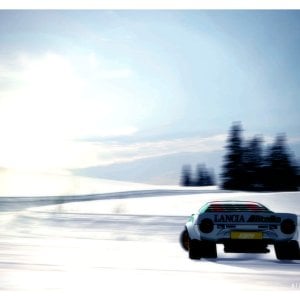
(287, 250)
(194, 249)
(184, 240)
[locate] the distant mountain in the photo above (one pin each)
(156, 170)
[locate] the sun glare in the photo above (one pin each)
(54, 106)
(41, 116)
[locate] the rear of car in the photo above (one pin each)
(245, 227)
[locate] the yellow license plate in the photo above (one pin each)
(246, 235)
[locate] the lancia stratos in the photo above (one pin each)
(242, 227)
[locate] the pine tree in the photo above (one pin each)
(204, 177)
(186, 176)
(253, 164)
(281, 174)
(233, 169)
(201, 175)
(211, 177)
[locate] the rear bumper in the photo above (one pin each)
(270, 235)
(246, 246)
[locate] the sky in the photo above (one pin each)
(83, 89)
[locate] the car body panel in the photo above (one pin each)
(240, 220)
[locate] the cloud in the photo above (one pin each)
(117, 152)
(62, 154)
(54, 155)
(294, 140)
(111, 153)
(117, 132)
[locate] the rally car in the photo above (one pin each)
(242, 227)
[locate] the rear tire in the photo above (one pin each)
(184, 240)
(287, 250)
(208, 249)
(202, 249)
(194, 249)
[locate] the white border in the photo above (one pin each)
(150, 4)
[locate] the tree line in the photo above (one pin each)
(203, 176)
(249, 166)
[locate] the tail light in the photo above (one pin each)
(206, 225)
(288, 226)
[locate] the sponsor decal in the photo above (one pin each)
(262, 219)
(229, 218)
(241, 219)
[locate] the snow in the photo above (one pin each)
(127, 246)
(26, 184)
(182, 205)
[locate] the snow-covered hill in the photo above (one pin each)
(26, 184)
(123, 243)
